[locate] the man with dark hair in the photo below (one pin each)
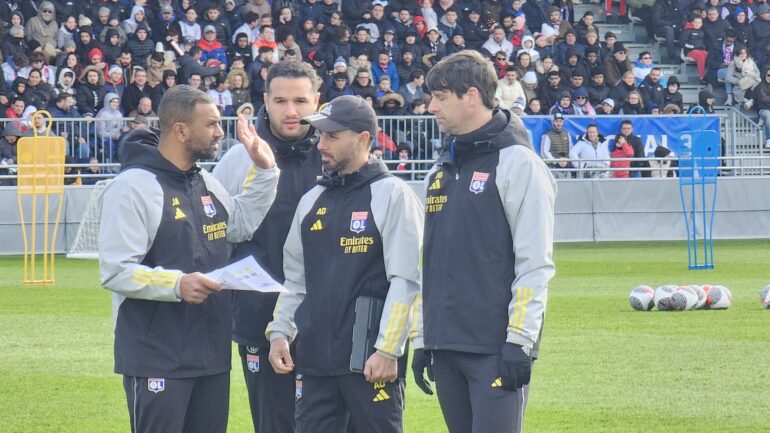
(291, 94)
(189, 63)
(241, 48)
(250, 27)
(166, 222)
(135, 91)
(651, 90)
(480, 345)
(368, 224)
(627, 132)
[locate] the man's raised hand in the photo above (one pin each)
(258, 149)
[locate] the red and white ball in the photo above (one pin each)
(764, 297)
(642, 298)
(719, 298)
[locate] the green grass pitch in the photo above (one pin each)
(603, 367)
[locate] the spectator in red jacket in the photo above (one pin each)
(621, 150)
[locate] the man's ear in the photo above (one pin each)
(180, 132)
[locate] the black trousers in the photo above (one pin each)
(325, 402)
(469, 401)
(271, 395)
(198, 404)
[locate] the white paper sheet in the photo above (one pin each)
(245, 274)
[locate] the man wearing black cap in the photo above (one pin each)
(368, 224)
(617, 65)
(487, 258)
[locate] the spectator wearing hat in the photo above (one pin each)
(529, 86)
(740, 24)
(389, 44)
(433, 49)
(563, 105)
(668, 21)
(113, 24)
(617, 65)
(555, 145)
(475, 31)
(211, 48)
(509, 89)
(392, 104)
(663, 163)
(140, 46)
(555, 28)
(581, 106)
(455, 45)
(168, 81)
(43, 28)
(112, 47)
(411, 43)
(167, 28)
(109, 123)
(338, 87)
(607, 106)
(672, 96)
(64, 84)
(113, 81)
(384, 66)
(568, 45)
(136, 18)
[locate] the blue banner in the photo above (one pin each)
(667, 131)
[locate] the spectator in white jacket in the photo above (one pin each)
(591, 154)
(509, 89)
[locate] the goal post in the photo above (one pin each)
(86, 243)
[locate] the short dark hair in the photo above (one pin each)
(283, 33)
(178, 105)
(626, 122)
(195, 50)
(417, 102)
(416, 74)
(293, 70)
(461, 71)
(250, 17)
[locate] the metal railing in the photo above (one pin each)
(744, 140)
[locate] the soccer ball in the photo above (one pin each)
(764, 297)
(663, 297)
(642, 298)
(701, 291)
(684, 298)
(719, 298)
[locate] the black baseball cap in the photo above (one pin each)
(345, 112)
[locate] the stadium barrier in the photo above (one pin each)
(591, 210)
(742, 136)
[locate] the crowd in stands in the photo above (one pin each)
(112, 60)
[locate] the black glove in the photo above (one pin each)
(515, 367)
(421, 361)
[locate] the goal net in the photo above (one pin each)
(86, 243)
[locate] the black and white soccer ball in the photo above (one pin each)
(764, 297)
(684, 298)
(663, 297)
(642, 298)
(719, 298)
